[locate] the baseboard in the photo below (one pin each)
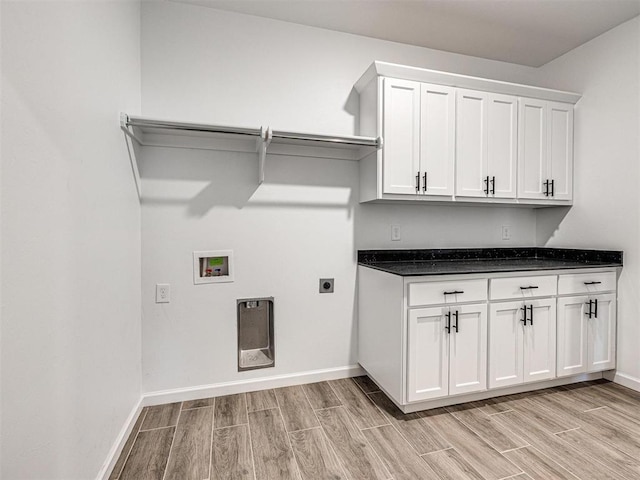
(624, 380)
(121, 439)
(249, 385)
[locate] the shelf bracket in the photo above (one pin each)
(266, 136)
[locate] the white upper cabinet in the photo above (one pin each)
(486, 139)
(454, 138)
(401, 130)
(418, 122)
(437, 139)
(545, 150)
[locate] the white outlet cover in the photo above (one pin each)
(163, 293)
(396, 233)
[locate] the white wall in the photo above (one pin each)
(70, 351)
(303, 223)
(606, 213)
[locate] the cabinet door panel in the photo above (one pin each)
(505, 344)
(437, 140)
(602, 335)
(401, 131)
(572, 353)
(471, 145)
(532, 148)
(561, 149)
(501, 144)
(427, 356)
(540, 341)
(468, 350)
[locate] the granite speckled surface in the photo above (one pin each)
(485, 260)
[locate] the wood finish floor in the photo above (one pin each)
(348, 429)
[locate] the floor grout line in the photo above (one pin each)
(159, 428)
(567, 430)
(173, 439)
(195, 408)
(213, 419)
(253, 461)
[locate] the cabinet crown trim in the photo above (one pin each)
(384, 69)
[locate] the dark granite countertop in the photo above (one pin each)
(485, 260)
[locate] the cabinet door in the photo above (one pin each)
(572, 331)
(540, 341)
(401, 133)
(505, 344)
(437, 139)
(471, 143)
(468, 349)
(427, 354)
(560, 163)
(532, 148)
(601, 337)
(502, 150)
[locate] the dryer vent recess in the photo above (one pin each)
(255, 333)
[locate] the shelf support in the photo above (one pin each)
(266, 135)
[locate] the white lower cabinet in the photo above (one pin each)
(447, 352)
(522, 342)
(586, 333)
(424, 339)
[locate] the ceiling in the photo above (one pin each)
(526, 32)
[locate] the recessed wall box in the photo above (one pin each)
(213, 266)
(255, 333)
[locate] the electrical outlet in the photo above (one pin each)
(506, 232)
(396, 233)
(326, 285)
(163, 293)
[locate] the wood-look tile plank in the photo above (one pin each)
(537, 465)
(449, 465)
(149, 455)
(619, 463)
(616, 400)
(321, 395)
(614, 428)
(418, 433)
(316, 459)
(272, 452)
(526, 427)
(161, 416)
(117, 468)
(359, 405)
(551, 419)
(487, 461)
(199, 403)
(492, 432)
(366, 384)
(401, 461)
(231, 454)
(356, 455)
(296, 409)
(574, 396)
(230, 410)
(191, 451)
(261, 400)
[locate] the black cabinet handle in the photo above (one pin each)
(592, 283)
(529, 287)
(595, 310)
(424, 182)
(486, 185)
(590, 312)
(524, 315)
(418, 182)
(531, 314)
(454, 292)
(546, 188)
(456, 317)
(448, 317)
(493, 185)
(553, 188)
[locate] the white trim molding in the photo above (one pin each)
(623, 379)
(121, 440)
(249, 385)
